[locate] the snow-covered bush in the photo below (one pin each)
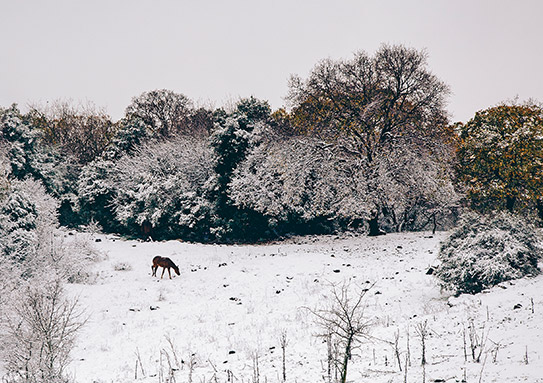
(484, 251)
(162, 184)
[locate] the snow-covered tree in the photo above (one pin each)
(297, 183)
(21, 141)
(29, 156)
(302, 180)
(95, 192)
(367, 103)
(415, 186)
(234, 134)
(29, 217)
(131, 133)
(162, 184)
(5, 170)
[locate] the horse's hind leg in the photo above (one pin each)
(163, 270)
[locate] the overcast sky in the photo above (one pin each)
(214, 51)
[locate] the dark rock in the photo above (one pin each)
(517, 306)
(430, 271)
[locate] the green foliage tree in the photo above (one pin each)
(131, 133)
(500, 158)
(28, 155)
(31, 154)
(234, 134)
(20, 141)
(368, 104)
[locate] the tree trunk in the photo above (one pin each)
(510, 203)
(374, 226)
(539, 207)
(346, 358)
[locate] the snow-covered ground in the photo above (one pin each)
(225, 314)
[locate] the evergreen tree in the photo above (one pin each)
(234, 134)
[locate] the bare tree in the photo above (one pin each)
(82, 131)
(344, 321)
(40, 334)
(165, 113)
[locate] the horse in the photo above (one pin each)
(165, 263)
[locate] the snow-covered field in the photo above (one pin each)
(224, 315)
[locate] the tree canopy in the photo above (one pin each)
(368, 101)
(500, 157)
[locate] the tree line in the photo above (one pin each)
(364, 142)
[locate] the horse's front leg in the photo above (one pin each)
(163, 270)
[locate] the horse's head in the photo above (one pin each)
(176, 269)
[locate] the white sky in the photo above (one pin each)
(213, 51)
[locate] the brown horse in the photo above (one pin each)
(165, 263)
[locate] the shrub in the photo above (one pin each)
(484, 251)
(122, 266)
